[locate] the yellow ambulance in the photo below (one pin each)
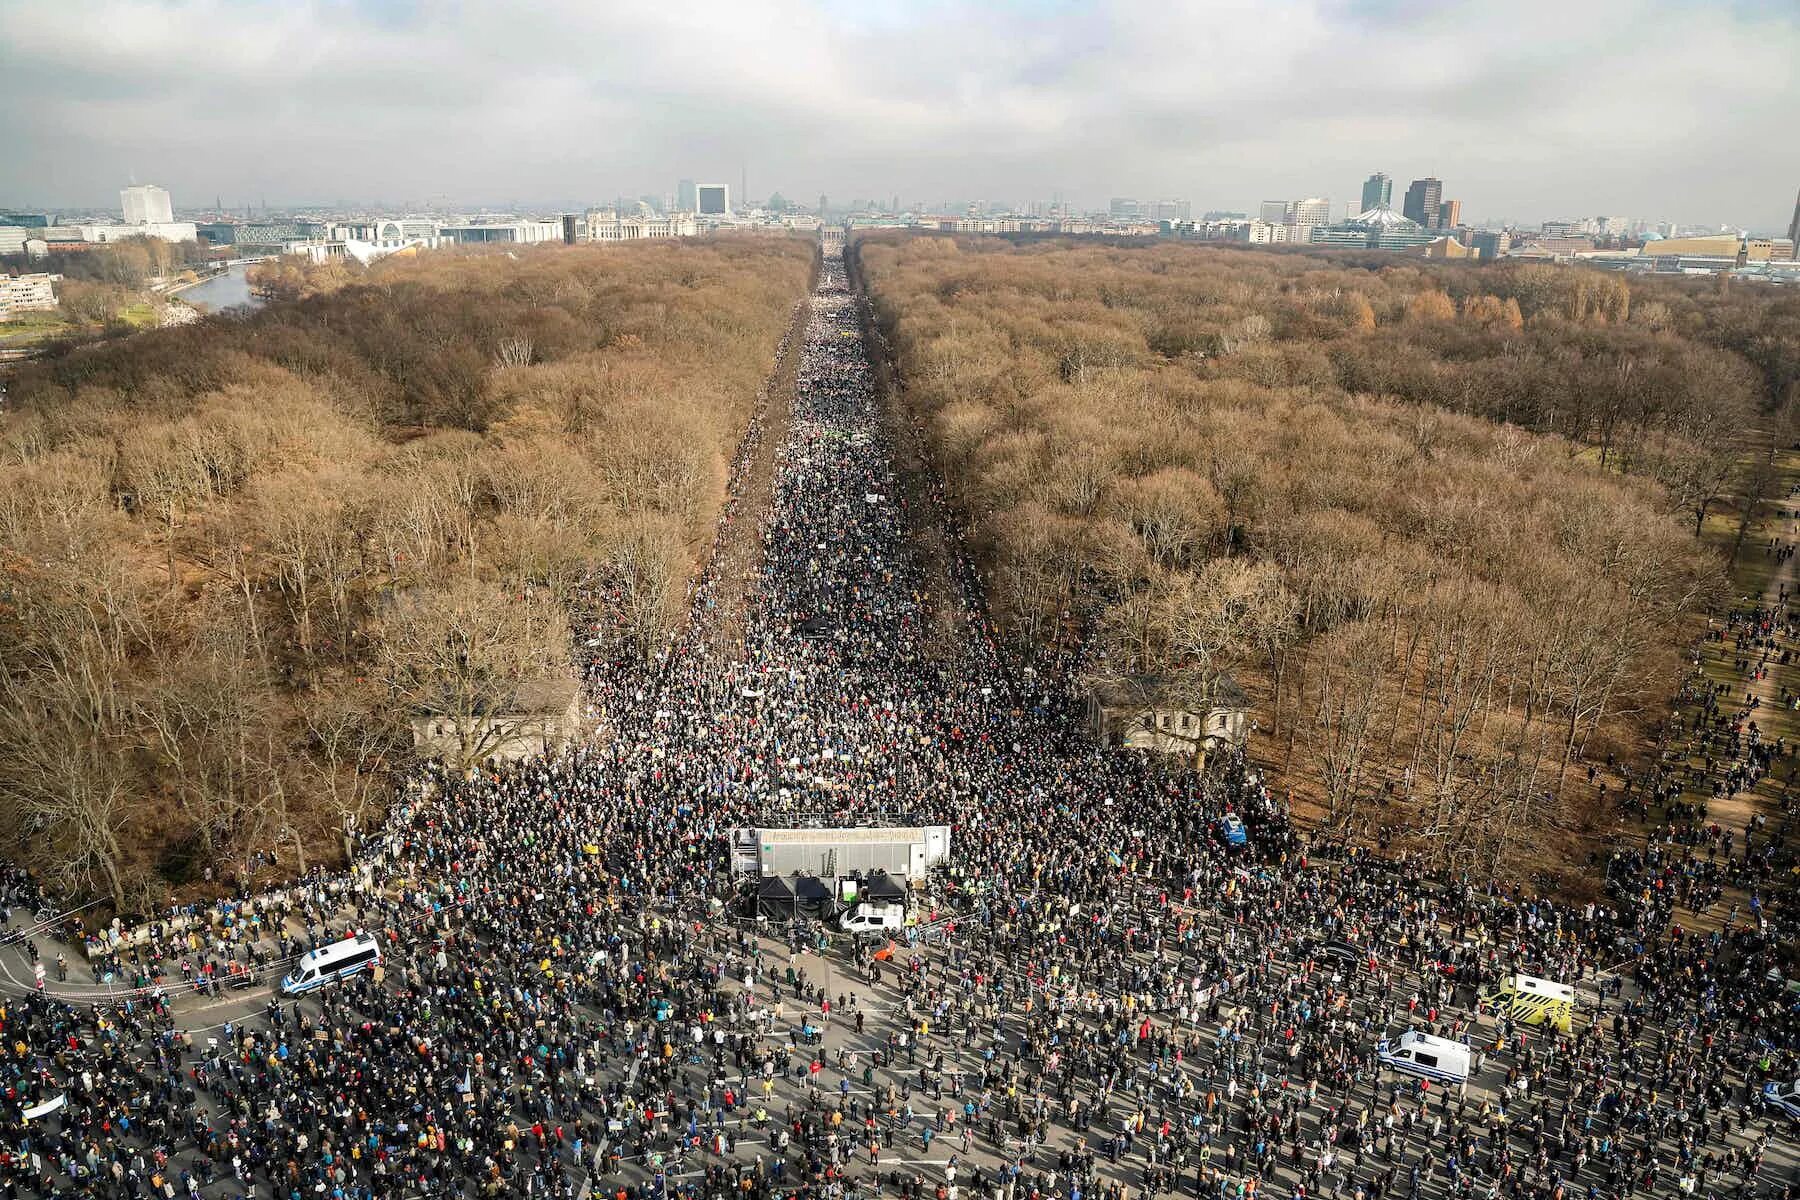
(1530, 1000)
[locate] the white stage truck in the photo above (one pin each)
(906, 852)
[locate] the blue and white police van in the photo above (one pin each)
(1438, 1059)
(1783, 1098)
(328, 964)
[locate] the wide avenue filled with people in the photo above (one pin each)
(1106, 991)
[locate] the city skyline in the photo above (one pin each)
(1311, 210)
(1025, 99)
(148, 206)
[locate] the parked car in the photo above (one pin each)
(1342, 955)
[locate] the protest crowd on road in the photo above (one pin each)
(1106, 998)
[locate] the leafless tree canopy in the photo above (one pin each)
(467, 651)
(235, 556)
(1439, 522)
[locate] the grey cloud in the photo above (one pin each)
(1661, 108)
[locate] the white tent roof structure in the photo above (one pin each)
(1382, 217)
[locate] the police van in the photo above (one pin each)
(1426, 1056)
(1530, 1000)
(1783, 1098)
(340, 960)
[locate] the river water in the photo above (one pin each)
(230, 290)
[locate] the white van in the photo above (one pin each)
(340, 960)
(889, 917)
(1427, 1057)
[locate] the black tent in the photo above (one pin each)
(775, 899)
(812, 897)
(881, 888)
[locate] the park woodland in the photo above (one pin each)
(1451, 531)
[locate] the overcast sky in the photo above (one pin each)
(1684, 110)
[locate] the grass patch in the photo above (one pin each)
(31, 327)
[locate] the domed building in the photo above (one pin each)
(1382, 217)
(1378, 228)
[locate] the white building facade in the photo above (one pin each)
(1314, 210)
(515, 233)
(400, 231)
(27, 293)
(146, 204)
(605, 225)
(168, 231)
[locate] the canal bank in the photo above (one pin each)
(230, 289)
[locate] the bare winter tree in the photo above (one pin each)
(66, 780)
(465, 654)
(513, 352)
(642, 562)
(354, 742)
(1351, 678)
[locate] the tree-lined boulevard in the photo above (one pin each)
(1110, 1000)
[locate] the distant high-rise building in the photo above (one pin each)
(1314, 210)
(712, 199)
(684, 196)
(146, 204)
(1274, 211)
(1378, 192)
(1423, 200)
(1794, 226)
(1124, 206)
(1450, 214)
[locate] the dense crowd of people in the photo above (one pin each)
(1113, 1001)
